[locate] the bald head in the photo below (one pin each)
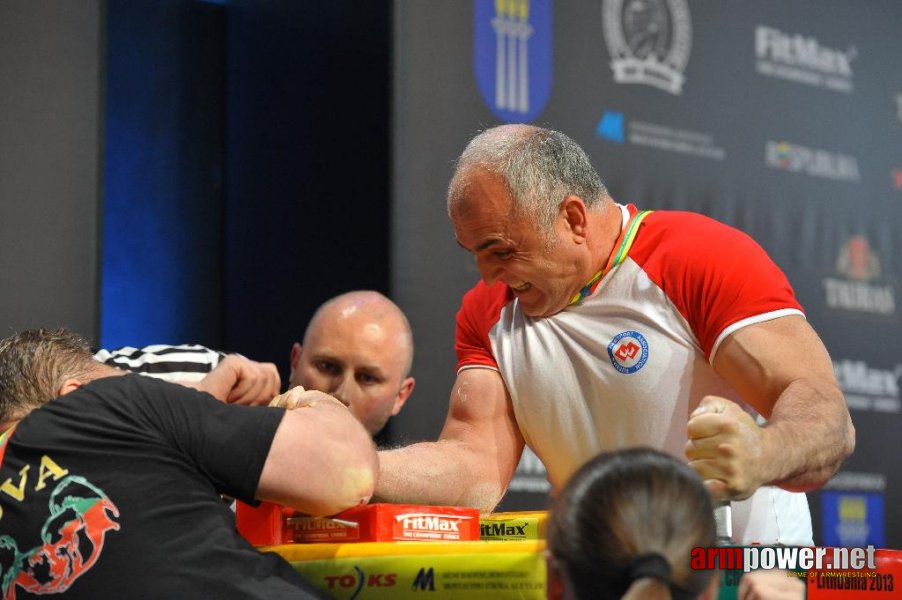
(370, 310)
(358, 347)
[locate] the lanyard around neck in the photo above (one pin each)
(623, 245)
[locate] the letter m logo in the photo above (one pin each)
(425, 580)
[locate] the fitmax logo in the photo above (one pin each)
(800, 51)
(430, 522)
(500, 529)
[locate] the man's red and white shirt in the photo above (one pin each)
(626, 365)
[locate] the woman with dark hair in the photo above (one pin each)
(624, 527)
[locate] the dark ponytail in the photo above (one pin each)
(627, 521)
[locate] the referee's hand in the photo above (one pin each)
(239, 380)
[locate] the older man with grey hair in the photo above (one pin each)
(599, 326)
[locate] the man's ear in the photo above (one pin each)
(403, 395)
(296, 351)
(576, 216)
(68, 386)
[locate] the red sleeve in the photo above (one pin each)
(716, 276)
(479, 311)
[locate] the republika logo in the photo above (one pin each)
(795, 158)
(512, 56)
(649, 41)
(628, 351)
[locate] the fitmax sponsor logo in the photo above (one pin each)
(803, 59)
(487, 530)
(428, 522)
(868, 388)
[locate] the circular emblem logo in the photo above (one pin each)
(649, 41)
(628, 351)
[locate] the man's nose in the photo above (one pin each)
(487, 270)
(341, 388)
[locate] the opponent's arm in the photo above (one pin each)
(782, 369)
(321, 460)
(474, 458)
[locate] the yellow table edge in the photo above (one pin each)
(319, 551)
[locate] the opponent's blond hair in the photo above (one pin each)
(34, 365)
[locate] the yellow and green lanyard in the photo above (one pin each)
(623, 245)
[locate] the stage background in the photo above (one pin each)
(181, 171)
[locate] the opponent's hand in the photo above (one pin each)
(298, 397)
(239, 380)
(725, 448)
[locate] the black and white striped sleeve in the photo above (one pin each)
(185, 362)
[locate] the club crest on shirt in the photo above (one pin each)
(628, 351)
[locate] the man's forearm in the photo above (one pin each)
(439, 473)
(808, 436)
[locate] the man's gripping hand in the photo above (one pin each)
(239, 380)
(298, 397)
(725, 448)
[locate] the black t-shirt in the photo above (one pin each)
(113, 491)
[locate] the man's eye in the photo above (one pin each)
(366, 379)
(328, 368)
(502, 254)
